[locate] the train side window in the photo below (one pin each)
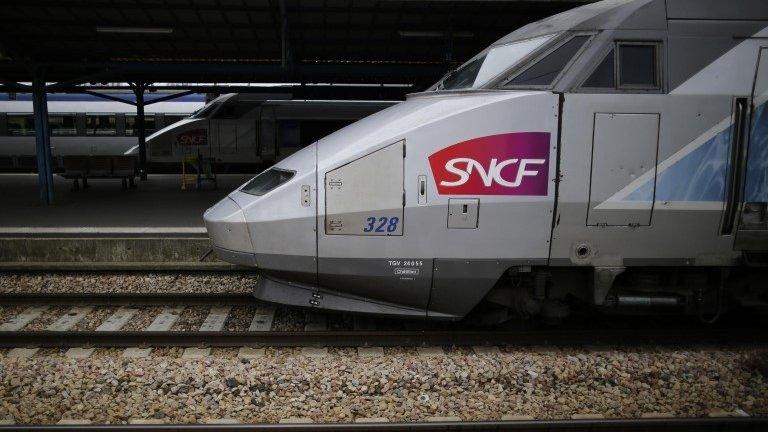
(131, 127)
(62, 124)
(638, 65)
(20, 125)
(544, 71)
(628, 66)
(100, 124)
(604, 76)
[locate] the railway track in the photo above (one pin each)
(592, 332)
(753, 424)
(261, 332)
(102, 299)
(343, 338)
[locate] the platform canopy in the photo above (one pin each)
(299, 41)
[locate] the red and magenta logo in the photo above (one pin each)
(192, 137)
(506, 164)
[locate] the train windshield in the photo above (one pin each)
(266, 181)
(206, 110)
(490, 63)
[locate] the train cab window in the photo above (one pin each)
(131, 127)
(234, 110)
(604, 76)
(100, 124)
(464, 77)
(486, 66)
(62, 124)
(20, 125)
(266, 181)
(544, 71)
(638, 65)
(206, 110)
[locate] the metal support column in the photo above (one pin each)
(138, 89)
(42, 140)
(285, 40)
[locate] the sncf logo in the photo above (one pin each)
(193, 137)
(505, 164)
(493, 175)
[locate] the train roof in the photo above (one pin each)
(640, 15)
(280, 99)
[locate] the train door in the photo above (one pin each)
(267, 134)
(362, 230)
(752, 231)
(624, 145)
(227, 144)
(213, 139)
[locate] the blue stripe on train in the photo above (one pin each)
(84, 97)
(701, 174)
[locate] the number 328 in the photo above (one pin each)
(382, 224)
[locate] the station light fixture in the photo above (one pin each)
(433, 34)
(420, 33)
(135, 30)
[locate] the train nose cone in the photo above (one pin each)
(228, 231)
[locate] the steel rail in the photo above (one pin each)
(743, 424)
(106, 299)
(354, 338)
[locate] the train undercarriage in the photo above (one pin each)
(551, 293)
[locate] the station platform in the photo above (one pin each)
(155, 225)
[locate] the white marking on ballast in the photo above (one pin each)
(22, 352)
(216, 318)
(195, 353)
(262, 319)
(25, 317)
(70, 319)
(136, 352)
(117, 320)
(79, 353)
(166, 319)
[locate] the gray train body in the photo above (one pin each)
(613, 155)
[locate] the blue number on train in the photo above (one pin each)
(385, 224)
(392, 224)
(369, 227)
(382, 222)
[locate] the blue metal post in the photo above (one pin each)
(140, 130)
(42, 140)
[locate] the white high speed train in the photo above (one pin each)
(239, 132)
(615, 155)
(81, 125)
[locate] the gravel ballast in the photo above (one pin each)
(343, 386)
(127, 282)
